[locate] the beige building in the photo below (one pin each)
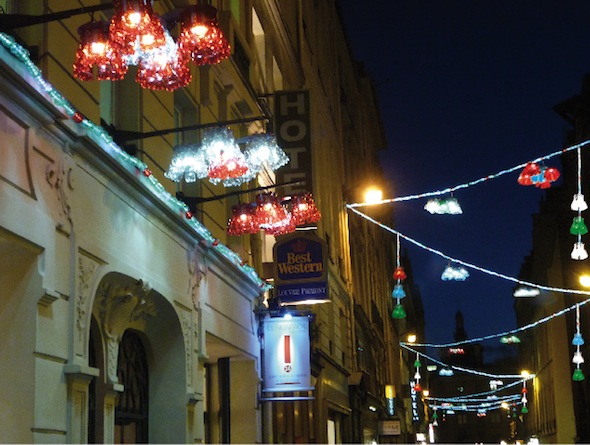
(127, 318)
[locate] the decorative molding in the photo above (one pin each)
(48, 298)
(197, 270)
(186, 325)
(60, 177)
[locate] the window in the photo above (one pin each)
(131, 413)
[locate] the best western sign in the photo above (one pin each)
(300, 269)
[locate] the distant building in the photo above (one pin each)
(559, 407)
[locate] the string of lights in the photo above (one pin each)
(467, 370)
(473, 402)
(470, 183)
(491, 392)
(466, 264)
(503, 334)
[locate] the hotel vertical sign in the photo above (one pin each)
(286, 354)
(292, 129)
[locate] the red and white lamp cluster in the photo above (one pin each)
(136, 35)
(273, 216)
(220, 158)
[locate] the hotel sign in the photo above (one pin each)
(300, 269)
(292, 130)
(286, 354)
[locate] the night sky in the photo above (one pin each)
(467, 89)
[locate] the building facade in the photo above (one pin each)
(129, 317)
(558, 405)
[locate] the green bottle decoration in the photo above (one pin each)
(578, 226)
(417, 363)
(578, 375)
(398, 312)
(524, 410)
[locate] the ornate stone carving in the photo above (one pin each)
(120, 306)
(197, 270)
(60, 177)
(186, 325)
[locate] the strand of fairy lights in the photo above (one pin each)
(478, 394)
(503, 334)
(467, 184)
(464, 263)
(106, 142)
(467, 370)
(473, 401)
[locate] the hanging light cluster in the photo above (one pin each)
(272, 215)
(577, 342)
(220, 159)
(539, 176)
(454, 274)
(398, 289)
(441, 206)
(417, 376)
(578, 227)
(137, 36)
(524, 391)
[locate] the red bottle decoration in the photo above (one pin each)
(399, 273)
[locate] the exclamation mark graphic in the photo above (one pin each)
(287, 351)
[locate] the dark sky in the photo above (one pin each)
(466, 89)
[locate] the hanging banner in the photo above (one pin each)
(300, 269)
(286, 354)
(292, 130)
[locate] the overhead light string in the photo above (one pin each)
(470, 183)
(470, 265)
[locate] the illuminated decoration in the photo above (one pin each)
(262, 149)
(509, 340)
(456, 351)
(495, 383)
(283, 227)
(470, 183)
(398, 291)
(163, 68)
(243, 220)
(201, 36)
(106, 143)
(454, 273)
(188, 163)
(578, 203)
(438, 206)
(578, 341)
(269, 211)
(135, 26)
(578, 226)
(579, 252)
(524, 391)
(539, 176)
(417, 376)
(525, 292)
(223, 155)
(220, 159)
(303, 209)
(399, 273)
(95, 50)
(464, 263)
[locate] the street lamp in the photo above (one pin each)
(585, 280)
(373, 195)
(412, 338)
